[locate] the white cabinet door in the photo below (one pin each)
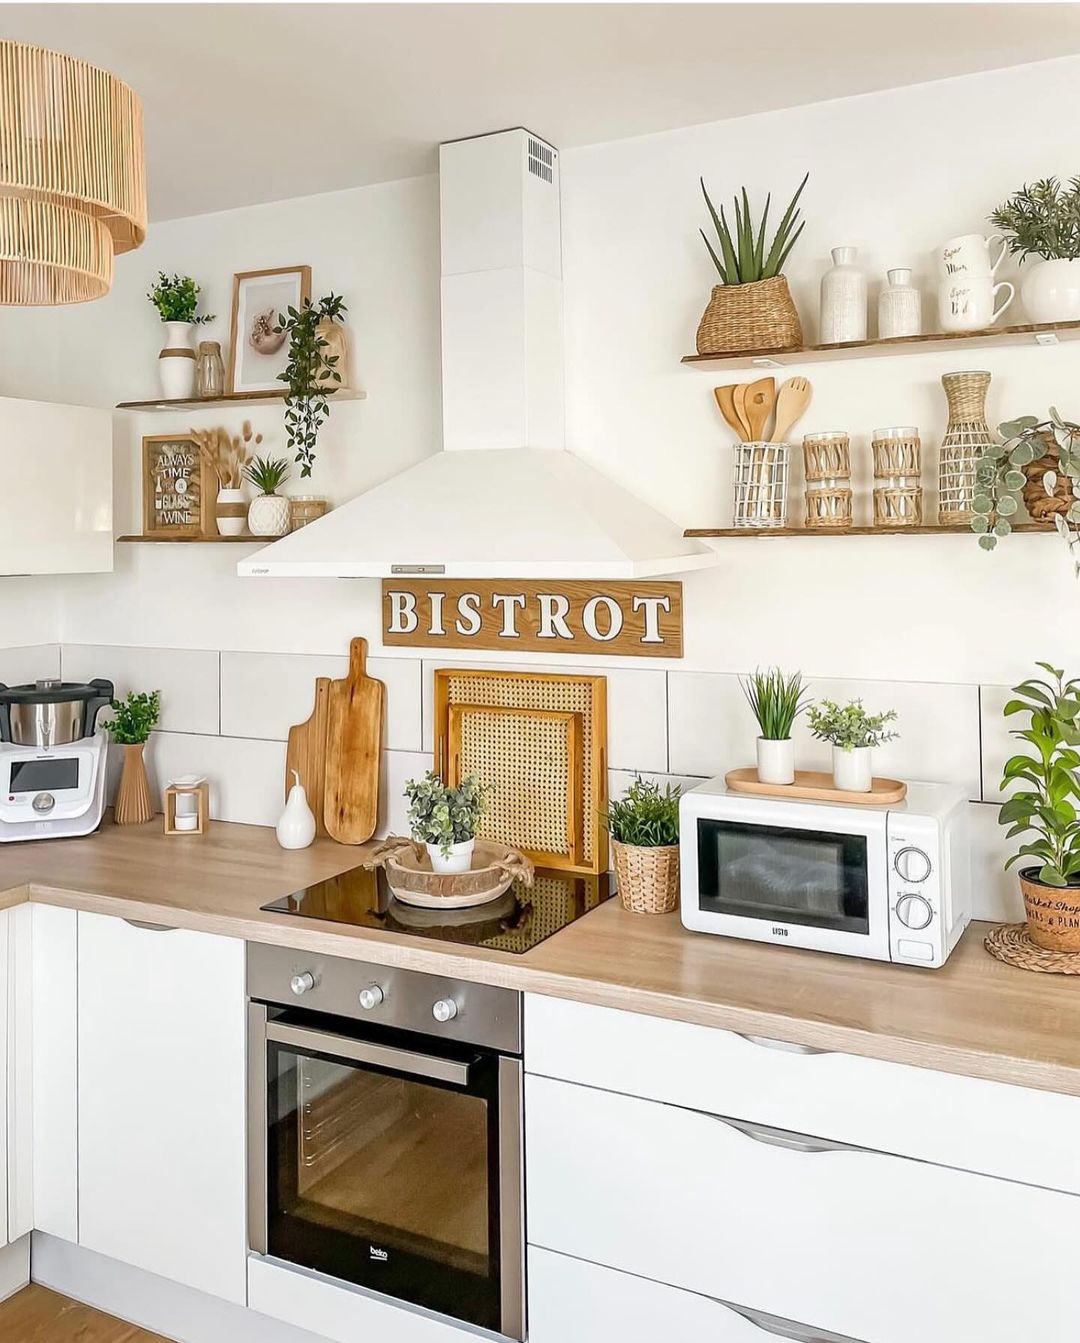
(5, 1080)
(56, 504)
(161, 1102)
(54, 1025)
(875, 1247)
(20, 1091)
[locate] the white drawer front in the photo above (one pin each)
(941, 1117)
(859, 1243)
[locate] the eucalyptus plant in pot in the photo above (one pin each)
(644, 829)
(1043, 221)
(134, 718)
(853, 734)
(445, 819)
(1046, 776)
(776, 701)
(315, 371)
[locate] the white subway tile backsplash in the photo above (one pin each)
(997, 745)
(398, 768)
(246, 777)
(34, 662)
(186, 677)
(995, 892)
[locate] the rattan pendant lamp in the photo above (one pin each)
(72, 176)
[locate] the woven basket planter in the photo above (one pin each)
(648, 879)
(1041, 506)
(756, 316)
(1053, 913)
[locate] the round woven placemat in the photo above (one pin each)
(1009, 942)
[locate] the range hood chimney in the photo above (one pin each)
(503, 499)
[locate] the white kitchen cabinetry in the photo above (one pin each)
(5, 1080)
(161, 1102)
(56, 502)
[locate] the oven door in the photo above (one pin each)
(794, 874)
(393, 1163)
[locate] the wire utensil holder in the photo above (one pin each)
(761, 484)
(966, 435)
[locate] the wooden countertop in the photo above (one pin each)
(974, 1016)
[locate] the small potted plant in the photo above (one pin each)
(1043, 220)
(1047, 777)
(776, 701)
(177, 300)
(1037, 461)
(445, 819)
(644, 829)
(315, 371)
(751, 308)
(853, 734)
(268, 514)
(133, 720)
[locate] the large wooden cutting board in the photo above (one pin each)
(306, 753)
(353, 751)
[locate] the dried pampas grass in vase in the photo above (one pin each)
(227, 455)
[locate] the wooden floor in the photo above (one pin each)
(36, 1315)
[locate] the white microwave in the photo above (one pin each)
(890, 883)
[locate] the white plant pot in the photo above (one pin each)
(176, 362)
(268, 515)
(775, 760)
(853, 770)
(231, 512)
(1051, 291)
(459, 859)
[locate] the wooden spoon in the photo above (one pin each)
(791, 404)
(725, 399)
(760, 399)
(741, 389)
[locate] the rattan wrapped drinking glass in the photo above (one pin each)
(647, 878)
(827, 468)
(897, 475)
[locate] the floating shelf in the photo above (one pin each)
(936, 529)
(230, 399)
(1049, 333)
(199, 540)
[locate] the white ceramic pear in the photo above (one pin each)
(296, 827)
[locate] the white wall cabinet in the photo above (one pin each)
(162, 1102)
(56, 503)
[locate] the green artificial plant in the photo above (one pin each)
(1042, 220)
(776, 701)
(646, 815)
(444, 816)
(850, 727)
(134, 718)
(743, 256)
(311, 374)
(1000, 479)
(267, 474)
(177, 299)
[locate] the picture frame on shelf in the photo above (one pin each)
(257, 353)
(178, 488)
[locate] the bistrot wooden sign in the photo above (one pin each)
(627, 619)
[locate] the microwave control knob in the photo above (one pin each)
(300, 984)
(914, 911)
(444, 1010)
(912, 864)
(371, 997)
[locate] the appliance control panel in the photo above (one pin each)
(917, 913)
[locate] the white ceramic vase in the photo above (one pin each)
(230, 512)
(268, 515)
(459, 859)
(775, 760)
(852, 770)
(176, 362)
(843, 299)
(1051, 291)
(296, 826)
(899, 306)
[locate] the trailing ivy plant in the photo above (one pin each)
(444, 816)
(1000, 479)
(1042, 220)
(743, 257)
(134, 718)
(311, 374)
(646, 815)
(176, 298)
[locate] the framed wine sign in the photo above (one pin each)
(178, 497)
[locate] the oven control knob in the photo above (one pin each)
(914, 911)
(371, 997)
(300, 984)
(444, 1010)
(912, 864)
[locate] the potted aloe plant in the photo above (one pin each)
(644, 829)
(776, 701)
(132, 722)
(268, 514)
(445, 819)
(854, 735)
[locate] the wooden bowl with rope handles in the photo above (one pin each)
(409, 874)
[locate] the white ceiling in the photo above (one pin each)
(256, 102)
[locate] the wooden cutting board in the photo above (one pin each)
(306, 753)
(353, 751)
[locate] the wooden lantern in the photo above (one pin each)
(182, 819)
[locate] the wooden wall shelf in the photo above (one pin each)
(1049, 333)
(935, 529)
(231, 399)
(199, 540)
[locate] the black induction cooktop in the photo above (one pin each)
(520, 919)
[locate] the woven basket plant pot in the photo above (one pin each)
(760, 315)
(1053, 913)
(648, 879)
(1042, 506)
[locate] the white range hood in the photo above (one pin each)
(503, 499)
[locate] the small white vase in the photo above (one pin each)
(899, 306)
(459, 859)
(775, 760)
(268, 515)
(843, 299)
(296, 825)
(230, 512)
(852, 770)
(176, 361)
(1051, 291)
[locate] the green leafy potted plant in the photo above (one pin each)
(269, 511)
(1043, 220)
(776, 701)
(644, 829)
(853, 734)
(133, 720)
(176, 298)
(751, 308)
(1037, 461)
(315, 371)
(445, 819)
(1047, 777)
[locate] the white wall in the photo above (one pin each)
(932, 625)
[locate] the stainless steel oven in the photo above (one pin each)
(385, 1132)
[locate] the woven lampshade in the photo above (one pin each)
(72, 176)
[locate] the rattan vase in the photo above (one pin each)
(1053, 913)
(756, 316)
(648, 878)
(134, 804)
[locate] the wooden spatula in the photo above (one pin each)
(791, 404)
(760, 400)
(739, 398)
(725, 399)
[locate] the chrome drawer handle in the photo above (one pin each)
(792, 1329)
(784, 1046)
(779, 1137)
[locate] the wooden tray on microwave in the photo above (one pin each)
(814, 786)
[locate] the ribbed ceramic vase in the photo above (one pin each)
(134, 804)
(843, 299)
